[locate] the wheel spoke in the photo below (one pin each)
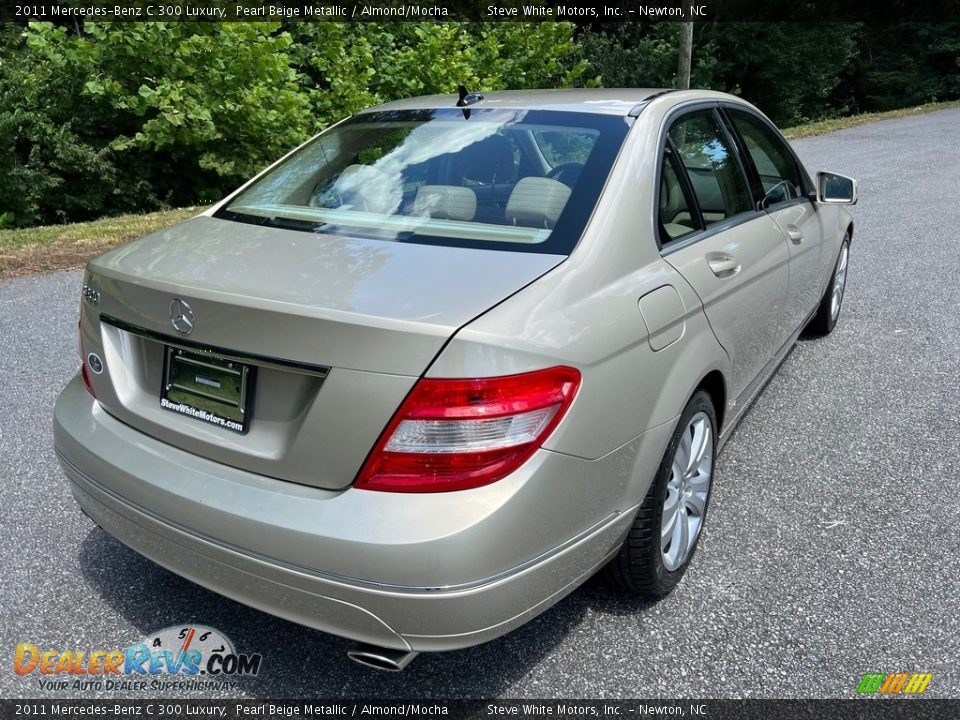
(669, 521)
(672, 544)
(699, 484)
(700, 439)
(682, 538)
(684, 451)
(697, 502)
(675, 476)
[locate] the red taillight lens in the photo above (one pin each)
(86, 379)
(83, 364)
(458, 434)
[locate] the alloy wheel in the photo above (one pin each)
(686, 500)
(839, 283)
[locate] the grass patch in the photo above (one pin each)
(822, 127)
(64, 247)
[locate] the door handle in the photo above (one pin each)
(723, 265)
(795, 234)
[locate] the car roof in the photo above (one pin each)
(602, 101)
(605, 101)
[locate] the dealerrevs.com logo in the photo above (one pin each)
(181, 657)
(897, 683)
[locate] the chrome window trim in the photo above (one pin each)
(698, 235)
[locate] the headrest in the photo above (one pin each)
(537, 202)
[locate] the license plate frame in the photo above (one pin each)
(208, 387)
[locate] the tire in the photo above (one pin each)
(645, 565)
(829, 310)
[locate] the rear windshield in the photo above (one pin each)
(500, 179)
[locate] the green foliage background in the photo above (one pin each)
(109, 118)
(127, 117)
(795, 72)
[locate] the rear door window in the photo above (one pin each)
(715, 175)
(678, 215)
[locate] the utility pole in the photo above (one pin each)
(686, 52)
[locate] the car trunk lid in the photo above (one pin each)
(330, 331)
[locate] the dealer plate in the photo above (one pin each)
(207, 387)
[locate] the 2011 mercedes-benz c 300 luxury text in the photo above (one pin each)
(426, 374)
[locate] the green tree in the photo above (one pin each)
(52, 164)
(899, 65)
(790, 70)
(644, 55)
(345, 67)
(135, 116)
(215, 98)
(103, 118)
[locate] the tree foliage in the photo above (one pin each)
(790, 70)
(644, 55)
(122, 117)
(346, 67)
(902, 65)
(140, 116)
(50, 167)
(795, 72)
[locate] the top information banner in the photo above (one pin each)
(483, 11)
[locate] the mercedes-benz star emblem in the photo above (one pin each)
(181, 316)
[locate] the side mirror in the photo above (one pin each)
(836, 189)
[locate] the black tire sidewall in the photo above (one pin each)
(824, 322)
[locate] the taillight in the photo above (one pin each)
(86, 379)
(458, 434)
(84, 372)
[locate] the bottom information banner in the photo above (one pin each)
(868, 709)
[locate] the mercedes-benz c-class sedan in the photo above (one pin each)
(430, 371)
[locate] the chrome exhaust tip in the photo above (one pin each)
(380, 658)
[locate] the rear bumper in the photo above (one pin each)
(417, 572)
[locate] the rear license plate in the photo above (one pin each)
(207, 387)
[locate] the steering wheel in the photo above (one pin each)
(567, 173)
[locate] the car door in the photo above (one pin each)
(783, 192)
(733, 254)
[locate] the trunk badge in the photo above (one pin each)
(91, 294)
(181, 316)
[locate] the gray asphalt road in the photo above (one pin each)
(832, 547)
